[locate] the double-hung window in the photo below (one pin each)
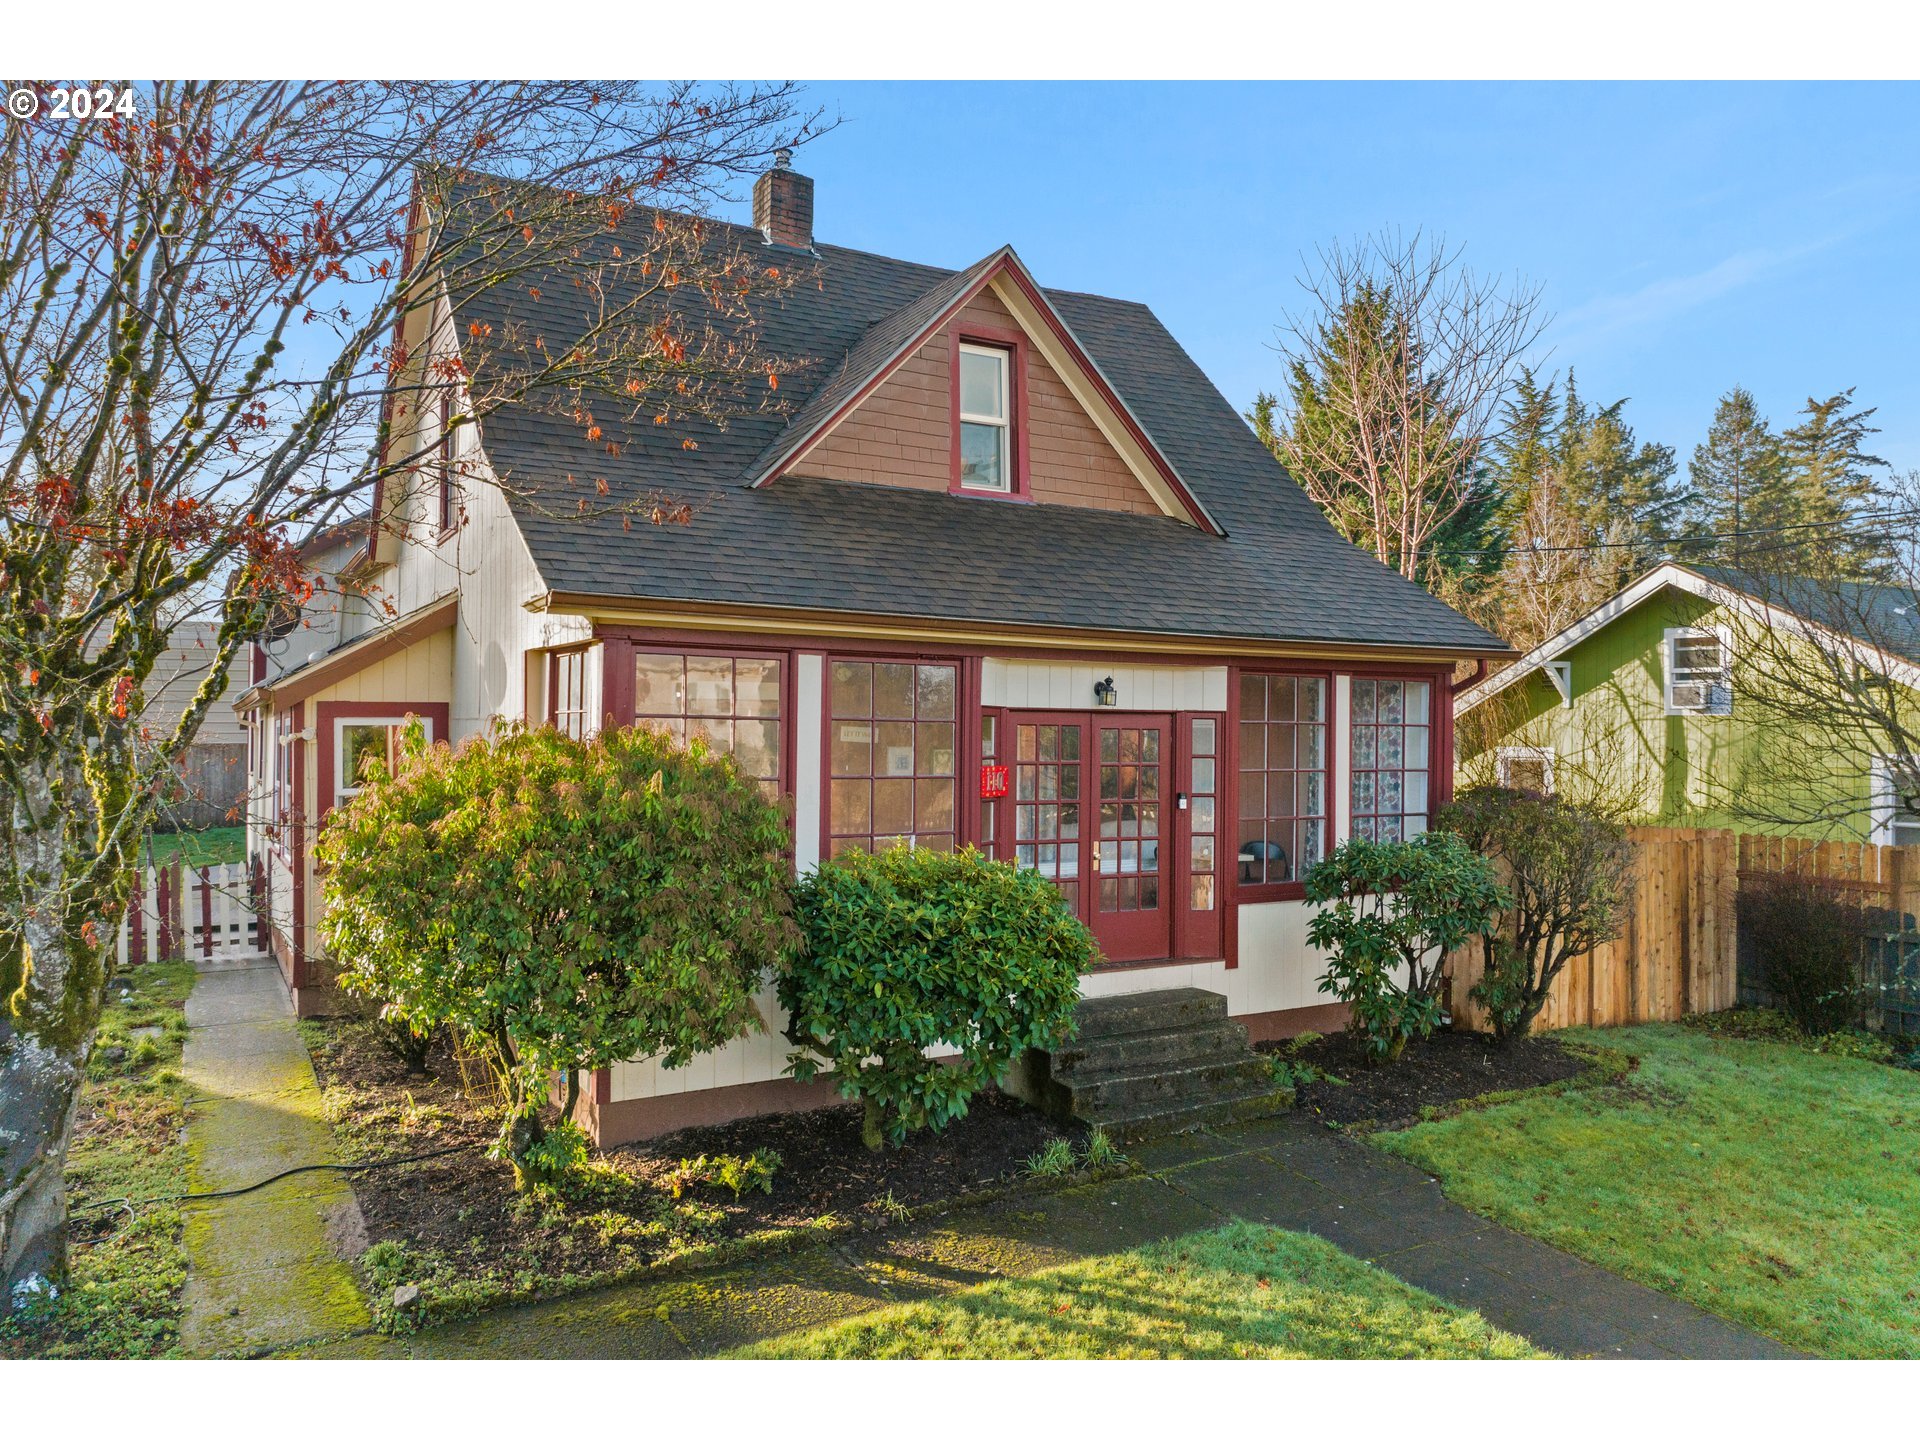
(1699, 673)
(986, 418)
(732, 703)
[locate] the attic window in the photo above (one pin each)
(1699, 673)
(986, 419)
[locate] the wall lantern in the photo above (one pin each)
(1104, 693)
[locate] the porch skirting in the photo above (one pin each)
(622, 1122)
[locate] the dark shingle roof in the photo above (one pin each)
(1886, 617)
(1280, 572)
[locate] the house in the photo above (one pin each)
(1001, 533)
(212, 773)
(1707, 696)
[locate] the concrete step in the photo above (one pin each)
(1129, 1126)
(1184, 1045)
(1151, 1087)
(1149, 1010)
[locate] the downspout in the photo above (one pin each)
(1479, 674)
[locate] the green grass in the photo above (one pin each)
(223, 845)
(1241, 1292)
(122, 1298)
(1775, 1186)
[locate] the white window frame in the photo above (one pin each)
(1004, 359)
(1884, 801)
(342, 792)
(1667, 666)
(1507, 754)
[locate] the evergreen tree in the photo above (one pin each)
(1739, 476)
(1833, 492)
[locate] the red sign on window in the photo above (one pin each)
(993, 781)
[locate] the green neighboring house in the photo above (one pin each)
(1695, 697)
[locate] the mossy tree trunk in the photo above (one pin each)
(53, 977)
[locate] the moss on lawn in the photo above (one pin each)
(122, 1298)
(1241, 1292)
(1773, 1185)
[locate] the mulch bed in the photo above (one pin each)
(1451, 1066)
(462, 1210)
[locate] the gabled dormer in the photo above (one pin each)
(980, 389)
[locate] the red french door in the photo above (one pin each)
(1089, 813)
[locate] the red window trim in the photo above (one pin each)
(554, 658)
(966, 738)
(1238, 893)
(1015, 343)
(329, 712)
(1439, 735)
(617, 697)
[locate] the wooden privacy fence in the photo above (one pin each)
(1675, 954)
(192, 912)
(1679, 951)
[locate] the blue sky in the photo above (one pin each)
(1689, 237)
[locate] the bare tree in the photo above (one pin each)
(205, 294)
(1826, 688)
(1398, 375)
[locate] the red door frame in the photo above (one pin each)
(1121, 943)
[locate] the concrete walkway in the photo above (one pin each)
(1286, 1171)
(262, 1271)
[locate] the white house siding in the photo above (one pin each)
(1277, 969)
(1049, 685)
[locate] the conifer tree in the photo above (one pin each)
(1739, 475)
(1833, 492)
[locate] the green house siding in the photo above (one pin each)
(1615, 741)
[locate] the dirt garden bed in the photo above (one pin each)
(1336, 1082)
(454, 1225)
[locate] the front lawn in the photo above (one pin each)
(221, 845)
(127, 1162)
(1241, 1292)
(1775, 1186)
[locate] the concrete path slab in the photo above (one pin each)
(1287, 1171)
(261, 1272)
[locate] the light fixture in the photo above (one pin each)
(1104, 693)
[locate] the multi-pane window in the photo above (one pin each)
(989, 755)
(891, 755)
(1283, 777)
(1699, 674)
(569, 705)
(1046, 804)
(731, 703)
(986, 419)
(1392, 746)
(1202, 814)
(1128, 853)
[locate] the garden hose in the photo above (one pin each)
(296, 1170)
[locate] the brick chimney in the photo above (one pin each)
(783, 204)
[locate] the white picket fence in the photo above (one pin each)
(203, 913)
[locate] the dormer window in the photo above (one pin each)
(986, 419)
